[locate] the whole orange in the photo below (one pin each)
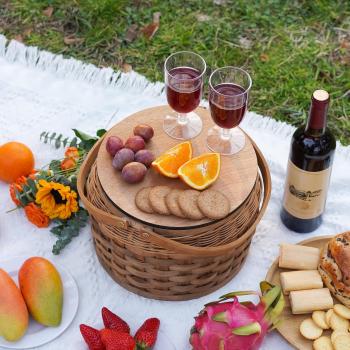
(16, 159)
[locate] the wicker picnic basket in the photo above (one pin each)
(168, 264)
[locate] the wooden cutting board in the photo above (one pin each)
(289, 328)
(237, 176)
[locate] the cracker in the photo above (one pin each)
(213, 204)
(157, 199)
(342, 311)
(342, 342)
(319, 317)
(322, 343)
(339, 323)
(309, 330)
(172, 202)
(329, 314)
(188, 204)
(142, 200)
(335, 334)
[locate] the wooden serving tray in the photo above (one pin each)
(237, 176)
(289, 328)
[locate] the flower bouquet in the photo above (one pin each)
(49, 195)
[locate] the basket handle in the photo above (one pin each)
(158, 239)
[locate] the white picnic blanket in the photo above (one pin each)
(41, 91)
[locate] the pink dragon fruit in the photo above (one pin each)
(234, 325)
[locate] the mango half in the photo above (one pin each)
(42, 289)
(13, 310)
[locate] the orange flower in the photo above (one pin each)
(68, 163)
(36, 216)
(17, 186)
(72, 153)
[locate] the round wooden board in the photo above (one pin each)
(289, 328)
(237, 176)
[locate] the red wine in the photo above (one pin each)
(309, 169)
(227, 105)
(183, 89)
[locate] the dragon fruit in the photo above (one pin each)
(234, 325)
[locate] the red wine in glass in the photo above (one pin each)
(184, 89)
(228, 111)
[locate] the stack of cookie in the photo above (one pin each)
(190, 204)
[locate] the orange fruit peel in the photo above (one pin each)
(170, 161)
(202, 171)
(16, 160)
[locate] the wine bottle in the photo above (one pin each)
(309, 169)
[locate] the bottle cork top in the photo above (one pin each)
(321, 95)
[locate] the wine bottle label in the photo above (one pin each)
(305, 193)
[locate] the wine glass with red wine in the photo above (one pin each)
(228, 98)
(184, 73)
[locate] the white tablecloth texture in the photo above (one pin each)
(41, 91)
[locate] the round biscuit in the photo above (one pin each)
(172, 202)
(319, 317)
(342, 311)
(322, 343)
(213, 204)
(342, 342)
(309, 330)
(157, 199)
(188, 204)
(339, 323)
(142, 200)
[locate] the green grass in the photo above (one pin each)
(293, 47)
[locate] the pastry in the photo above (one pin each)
(334, 267)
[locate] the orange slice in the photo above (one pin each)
(200, 172)
(170, 161)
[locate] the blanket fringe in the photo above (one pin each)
(14, 51)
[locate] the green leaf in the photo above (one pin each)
(55, 166)
(83, 136)
(58, 141)
(65, 141)
(74, 142)
(53, 135)
(67, 230)
(101, 132)
(32, 185)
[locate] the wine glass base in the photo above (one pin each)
(229, 145)
(190, 128)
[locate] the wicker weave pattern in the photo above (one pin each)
(170, 264)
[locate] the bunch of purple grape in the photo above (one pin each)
(131, 158)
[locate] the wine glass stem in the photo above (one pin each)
(225, 134)
(182, 118)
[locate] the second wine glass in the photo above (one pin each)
(228, 99)
(183, 73)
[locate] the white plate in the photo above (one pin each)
(37, 334)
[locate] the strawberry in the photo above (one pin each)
(92, 337)
(146, 336)
(115, 340)
(112, 321)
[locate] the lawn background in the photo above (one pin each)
(290, 47)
